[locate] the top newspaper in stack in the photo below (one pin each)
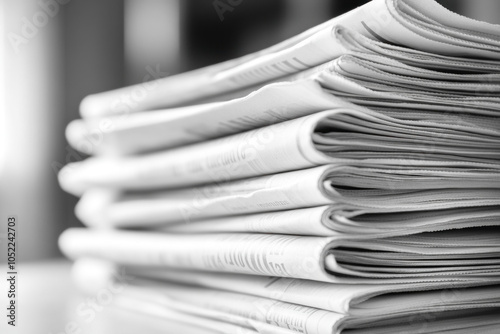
(417, 24)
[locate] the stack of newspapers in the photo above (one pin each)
(346, 180)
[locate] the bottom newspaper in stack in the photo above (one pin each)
(430, 282)
(285, 305)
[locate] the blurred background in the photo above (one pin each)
(55, 52)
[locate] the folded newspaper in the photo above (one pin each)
(343, 136)
(346, 180)
(351, 190)
(329, 220)
(247, 313)
(422, 25)
(446, 255)
(351, 77)
(297, 305)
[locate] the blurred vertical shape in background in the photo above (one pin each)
(302, 15)
(94, 62)
(152, 38)
(55, 53)
(3, 137)
(33, 74)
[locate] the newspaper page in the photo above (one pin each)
(388, 224)
(359, 45)
(391, 81)
(92, 276)
(424, 82)
(378, 65)
(384, 191)
(296, 318)
(279, 147)
(310, 48)
(137, 302)
(368, 94)
(251, 312)
(454, 252)
(285, 256)
(235, 317)
(331, 221)
(335, 136)
(336, 297)
(483, 320)
(313, 50)
(310, 320)
(400, 22)
(148, 131)
(308, 221)
(283, 191)
(392, 57)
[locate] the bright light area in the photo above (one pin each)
(3, 118)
